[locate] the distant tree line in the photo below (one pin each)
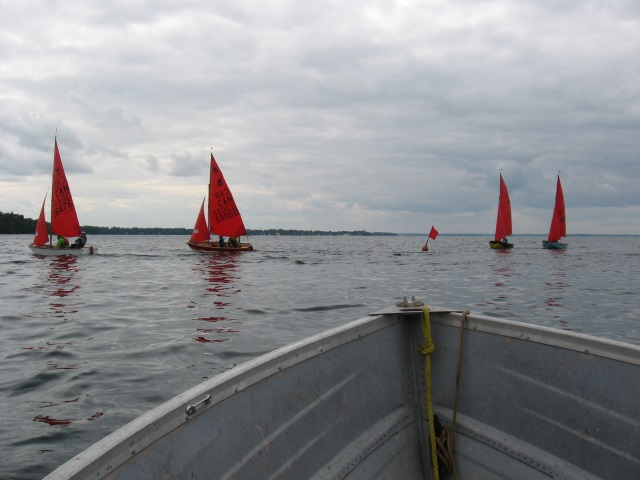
(284, 231)
(13, 223)
(16, 223)
(93, 230)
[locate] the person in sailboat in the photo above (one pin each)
(80, 241)
(233, 241)
(62, 242)
(220, 241)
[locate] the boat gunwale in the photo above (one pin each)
(576, 341)
(556, 337)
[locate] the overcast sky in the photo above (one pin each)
(333, 115)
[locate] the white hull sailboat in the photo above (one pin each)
(53, 251)
(64, 219)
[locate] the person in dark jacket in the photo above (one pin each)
(80, 241)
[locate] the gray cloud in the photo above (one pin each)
(331, 115)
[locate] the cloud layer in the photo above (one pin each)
(384, 115)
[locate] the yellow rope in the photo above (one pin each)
(426, 350)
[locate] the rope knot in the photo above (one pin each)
(428, 348)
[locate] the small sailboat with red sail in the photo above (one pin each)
(558, 228)
(64, 219)
(224, 219)
(503, 222)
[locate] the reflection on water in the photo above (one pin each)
(219, 271)
(555, 288)
(62, 270)
(62, 283)
(503, 271)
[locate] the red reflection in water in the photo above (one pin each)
(219, 273)
(554, 302)
(63, 422)
(64, 292)
(62, 270)
(206, 340)
(62, 283)
(54, 422)
(211, 319)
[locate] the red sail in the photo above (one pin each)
(224, 216)
(503, 222)
(64, 220)
(433, 233)
(42, 235)
(501, 231)
(558, 227)
(200, 230)
(505, 206)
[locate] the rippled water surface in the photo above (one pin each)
(87, 344)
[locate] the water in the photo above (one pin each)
(87, 344)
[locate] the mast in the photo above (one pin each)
(209, 190)
(53, 173)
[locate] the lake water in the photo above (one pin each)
(88, 344)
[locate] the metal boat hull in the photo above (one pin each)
(215, 247)
(534, 402)
(51, 251)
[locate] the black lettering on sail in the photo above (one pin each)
(62, 198)
(225, 213)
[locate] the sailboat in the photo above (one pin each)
(64, 219)
(558, 228)
(224, 219)
(503, 222)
